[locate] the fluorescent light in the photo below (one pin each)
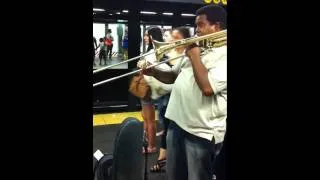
(125, 11)
(118, 13)
(97, 9)
(184, 14)
(110, 14)
(147, 12)
(167, 13)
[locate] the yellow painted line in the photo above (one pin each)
(115, 118)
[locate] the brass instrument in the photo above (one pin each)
(217, 39)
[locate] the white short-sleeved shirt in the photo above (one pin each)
(202, 116)
(158, 88)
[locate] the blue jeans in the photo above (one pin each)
(189, 157)
(162, 106)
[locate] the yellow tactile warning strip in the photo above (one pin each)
(115, 118)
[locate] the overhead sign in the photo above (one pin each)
(222, 2)
(180, 1)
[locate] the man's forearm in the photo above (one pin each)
(201, 75)
(167, 77)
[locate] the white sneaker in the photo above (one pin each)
(159, 133)
(214, 177)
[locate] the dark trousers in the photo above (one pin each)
(189, 157)
(166, 123)
(109, 50)
(162, 107)
(102, 55)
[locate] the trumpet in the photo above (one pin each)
(216, 39)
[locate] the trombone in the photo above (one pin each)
(217, 39)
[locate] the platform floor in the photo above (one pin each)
(115, 118)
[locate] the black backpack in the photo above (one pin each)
(102, 169)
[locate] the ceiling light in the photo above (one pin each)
(167, 14)
(147, 12)
(97, 9)
(185, 14)
(125, 11)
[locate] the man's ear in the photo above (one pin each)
(215, 27)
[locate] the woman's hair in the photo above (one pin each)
(156, 34)
(184, 31)
(101, 39)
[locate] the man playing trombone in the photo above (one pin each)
(198, 104)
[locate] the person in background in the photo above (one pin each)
(102, 53)
(94, 47)
(177, 34)
(125, 44)
(109, 43)
(120, 36)
(148, 105)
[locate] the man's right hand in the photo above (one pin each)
(149, 71)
